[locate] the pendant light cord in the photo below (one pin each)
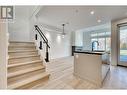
(63, 27)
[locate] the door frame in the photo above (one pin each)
(120, 63)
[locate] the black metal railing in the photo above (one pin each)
(45, 41)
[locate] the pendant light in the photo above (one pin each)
(63, 33)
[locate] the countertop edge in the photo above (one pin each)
(86, 52)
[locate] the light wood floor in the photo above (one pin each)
(61, 71)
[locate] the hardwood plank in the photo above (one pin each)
(62, 77)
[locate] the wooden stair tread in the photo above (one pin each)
(24, 63)
(22, 60)
(28, 80)
(13, 55)
(21, 49)
(18, 51)
(19, 42)
(24, 46)
(22, 56)
(23, 71)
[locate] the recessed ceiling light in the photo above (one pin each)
(92, 12)
(99, 20)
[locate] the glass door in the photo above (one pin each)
(122, 45)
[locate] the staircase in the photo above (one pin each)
(25, 68)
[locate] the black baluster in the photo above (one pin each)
(35, 36)
(40, 45)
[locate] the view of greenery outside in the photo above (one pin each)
(123, 44)
(123, 41)
(123, 52)
(123, 48)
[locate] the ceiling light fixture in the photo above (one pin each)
(99, 21)
(92, 12)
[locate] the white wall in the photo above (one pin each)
(59, 47)
(32, 22)
(19, 30)
(3, 55)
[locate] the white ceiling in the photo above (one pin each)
(79, 17)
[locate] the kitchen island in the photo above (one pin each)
(92, 66)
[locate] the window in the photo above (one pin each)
(103, 39)
(108, 44)
(102, 44)
(95, 46)
(94, 35)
